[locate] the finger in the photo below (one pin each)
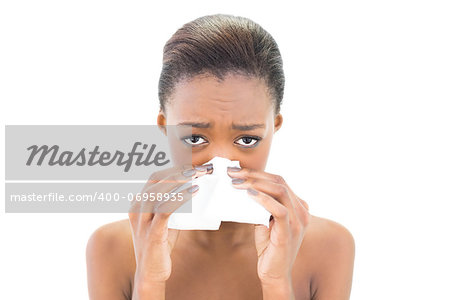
(162, 174)
(138, 213)
(280, 191)
(133, 213)
(246, 172)
(174, 176)
(275, 190)
(304, 203)
(144, 209)
(143, 204)
(301, 201)
(171, 184)
(302, 207)
(174, 180)
(165, 209)
(279, 212)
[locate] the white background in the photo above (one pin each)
(365, 142)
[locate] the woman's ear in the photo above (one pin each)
(161, 121)
(278, 122)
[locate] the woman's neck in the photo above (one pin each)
(231, 235)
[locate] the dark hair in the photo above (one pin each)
(219, 45)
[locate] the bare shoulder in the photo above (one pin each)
(329, 248)
(110, 261)
(330, 234)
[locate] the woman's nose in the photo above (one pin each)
(222, 153)
(219, 149)
(223, 156)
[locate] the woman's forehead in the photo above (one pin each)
(235, 94)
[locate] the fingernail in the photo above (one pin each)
(252, 191)
(201, 168)
(234, 169)
(193, 189)
(189, 173)
(237, 180)
(207, 167)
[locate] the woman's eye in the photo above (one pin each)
(193, 140)
(248, 141)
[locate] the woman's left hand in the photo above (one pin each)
(278, 245)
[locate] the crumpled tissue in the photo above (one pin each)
(218, 200)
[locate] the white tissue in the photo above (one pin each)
(217, 200)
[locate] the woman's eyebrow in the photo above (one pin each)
(242, 127)
(196, 124)
(246, 127)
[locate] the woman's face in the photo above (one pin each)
(232, 119)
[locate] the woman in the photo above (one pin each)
(223, 75)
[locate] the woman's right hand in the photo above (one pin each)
(152, 239)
